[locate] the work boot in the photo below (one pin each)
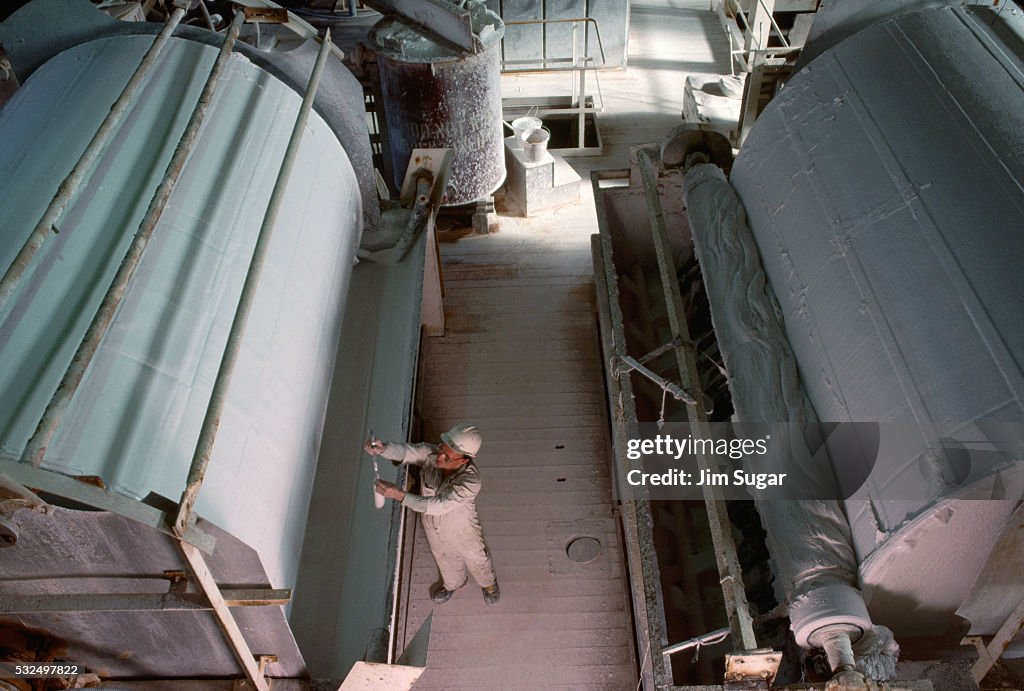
(491, 594)
(441, 595)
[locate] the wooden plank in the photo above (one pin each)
(524, 423)
(556, 347)
(427, 575)
(524, 558)
(547, 656)
(525, 676)
(511, 295)
(546, 469)
(551, 638)
(468, 320)
(527, 500)
(529, 334)
(496, 619)
(526, 527)
(560, 403)
(474, 362)
(531, 605)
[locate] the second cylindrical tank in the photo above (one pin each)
(884, 189)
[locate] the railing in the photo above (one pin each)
(578, 64)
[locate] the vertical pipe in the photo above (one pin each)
(204, 445)
(582, 102)
(70, 185)
(36, 447)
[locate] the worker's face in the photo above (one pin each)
(449, 459)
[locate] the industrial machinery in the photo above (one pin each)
(192, 241)
(855, 265)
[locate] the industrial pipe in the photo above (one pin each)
(70, 185)
(417, 221)
(211, 422)
(35, 449)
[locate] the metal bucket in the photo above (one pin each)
(535, 144)
(524, 125)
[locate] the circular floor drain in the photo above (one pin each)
(583, 550)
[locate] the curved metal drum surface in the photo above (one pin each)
(137, 414)
(885, 189)
(436, 98)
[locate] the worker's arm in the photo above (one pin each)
(411, 454)
(459, 492)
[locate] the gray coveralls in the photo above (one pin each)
(448, 505)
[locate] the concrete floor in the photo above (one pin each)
(521, 359)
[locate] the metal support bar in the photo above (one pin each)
(660, 350)
(737, 609)
(36, 447)
(70, 185)
(677, 392)
(90, 495)
(137, 602)
(698, 641)
(635, 510)
(218, 397)
(566, 20)
(227, 622)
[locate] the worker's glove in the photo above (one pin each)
(374, 446)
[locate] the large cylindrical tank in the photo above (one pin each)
(435, 97)
(136, 416)
(885, 189)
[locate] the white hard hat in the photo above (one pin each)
(464, 439)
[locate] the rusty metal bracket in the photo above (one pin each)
(265, 660)
(266, 15)
(758, 666)
(178, 579)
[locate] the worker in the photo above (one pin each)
(450, 482)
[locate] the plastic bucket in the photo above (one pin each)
(535, 145)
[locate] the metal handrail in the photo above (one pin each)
(771, 18)
(573, 20)
(577, 64)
